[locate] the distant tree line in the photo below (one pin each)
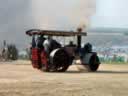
(12, 52)
(9, 51)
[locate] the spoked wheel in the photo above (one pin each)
(94, 63)
(45, 68)
(44, 62)
(59, 60)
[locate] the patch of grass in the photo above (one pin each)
(112, 62)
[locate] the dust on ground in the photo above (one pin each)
(20, 79)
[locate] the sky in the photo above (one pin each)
(111, 13)
(17, 16)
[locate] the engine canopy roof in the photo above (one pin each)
(54, 33)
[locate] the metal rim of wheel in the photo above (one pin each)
(60, 61)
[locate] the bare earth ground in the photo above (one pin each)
(20, 79)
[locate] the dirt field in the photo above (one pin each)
(20, 79)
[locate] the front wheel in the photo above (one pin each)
(94, 63)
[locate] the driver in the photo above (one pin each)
(40, 41)
(50, 44)
(46, 44)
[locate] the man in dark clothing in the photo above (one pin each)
(33, 42)
(50, 44)
(40, 41)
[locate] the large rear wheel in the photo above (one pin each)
(44, 62)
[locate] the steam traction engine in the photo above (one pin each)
(50, 56)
